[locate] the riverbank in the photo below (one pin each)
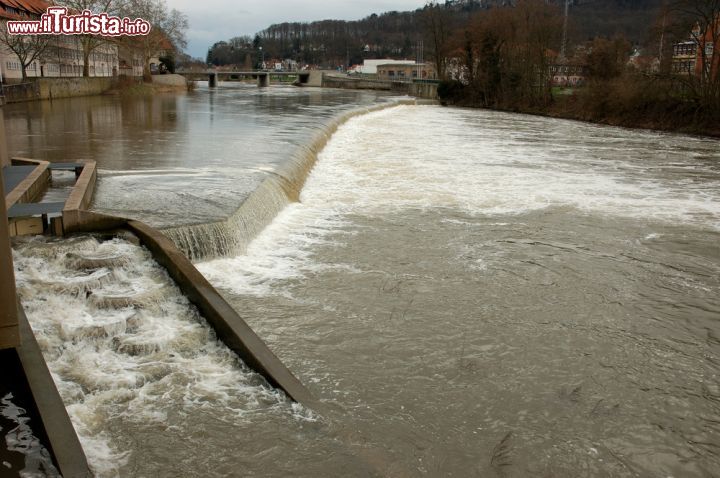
(54, 88)
(161, 84)
(628, 106)
(424, 90)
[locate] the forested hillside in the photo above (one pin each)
(397, 34)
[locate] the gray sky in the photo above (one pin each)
(214, 20)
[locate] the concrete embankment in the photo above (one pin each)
(33, 185)
(54, 88)
(425, 90)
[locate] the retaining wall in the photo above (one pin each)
(417, 89)
(51, 88)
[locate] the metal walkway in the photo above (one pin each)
(35, 209)
(14, 175)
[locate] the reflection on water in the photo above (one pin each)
(174, 159)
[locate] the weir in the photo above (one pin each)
(231, 236)
(201, 241)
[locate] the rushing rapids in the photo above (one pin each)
(124, 346)
(487, 293)
(470, 293)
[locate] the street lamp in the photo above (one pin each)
(262, 61)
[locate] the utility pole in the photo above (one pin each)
(662, 37)
(419, 58)
(565, 27)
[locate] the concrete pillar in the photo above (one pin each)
(212, 80)
(9, 332)
(263, 80)
(4, 158)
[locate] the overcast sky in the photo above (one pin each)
(214, 20)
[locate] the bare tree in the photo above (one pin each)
(702, 19)
(168, 30)
(510, 53)
(27, 48)
(437, 27)
(90, 43)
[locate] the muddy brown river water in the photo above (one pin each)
(470, 293)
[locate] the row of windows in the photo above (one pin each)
(54, 68)
(687, 66)
(401, 73)
(686, 49)
(689, 48)
(14, 65)
(101, 57)
(76, 55)
(567, 69)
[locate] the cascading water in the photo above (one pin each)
(488, 294)
(125, 347)
(233, 235)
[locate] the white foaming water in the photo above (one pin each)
(123, 344)
(420, 157)
(481, 163)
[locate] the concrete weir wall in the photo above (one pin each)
(229, 326)
(417, 89)
(52, 88)
(33, 186)
(276, 191)
(80, 197)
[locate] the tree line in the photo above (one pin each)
(505, 58)
(334, 43)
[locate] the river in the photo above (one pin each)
(470, 293)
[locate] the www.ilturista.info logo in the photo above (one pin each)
(56, 21)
